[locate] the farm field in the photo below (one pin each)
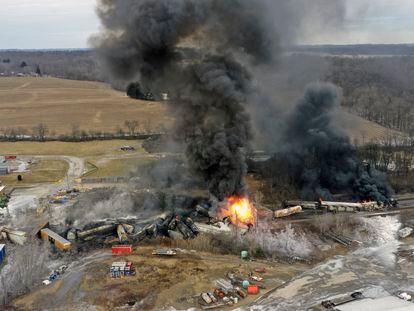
(93, 106)
(63, 104)
(118, 167)
(78, 149)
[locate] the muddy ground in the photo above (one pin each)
(159, 282)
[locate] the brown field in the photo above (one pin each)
(78, 149)
(61, 104)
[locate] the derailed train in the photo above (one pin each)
(334, 207)
(176, 225)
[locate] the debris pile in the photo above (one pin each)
(172, 225)
(405, 232)
(230, 290)
(63, 196)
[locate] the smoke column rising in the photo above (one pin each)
(212, 87)
(209, 90)
(321, 152)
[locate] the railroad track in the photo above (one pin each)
(307, 218)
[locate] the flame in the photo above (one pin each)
(239, 209)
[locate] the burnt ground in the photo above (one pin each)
(160, 281)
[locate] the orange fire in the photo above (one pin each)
(239, 209)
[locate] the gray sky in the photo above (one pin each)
(30, 24)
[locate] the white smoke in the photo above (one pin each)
(286, 243)
(381, 236)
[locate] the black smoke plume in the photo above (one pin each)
(204, 53)
(208, 85)
(320, 153)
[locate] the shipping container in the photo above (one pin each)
(121, 249)
(56, 239)
(2, 252)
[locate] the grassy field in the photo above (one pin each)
(117, 167)
(61, 104)
(80, 149)
(46, 171)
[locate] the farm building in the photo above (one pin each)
(4, 169)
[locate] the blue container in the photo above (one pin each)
(2, 252)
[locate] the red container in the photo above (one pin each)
(8, 158)
(122, 249)
(253, 289)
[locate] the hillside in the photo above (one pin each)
(62, 104)
(363, 131)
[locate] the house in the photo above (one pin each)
(4, 169)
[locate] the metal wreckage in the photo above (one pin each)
(183, 224)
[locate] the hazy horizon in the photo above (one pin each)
(59, 24)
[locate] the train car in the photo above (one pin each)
(288, 211)
(56, 239)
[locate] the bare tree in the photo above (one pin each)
(40, 131)
(26, 267)
(132, 126)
